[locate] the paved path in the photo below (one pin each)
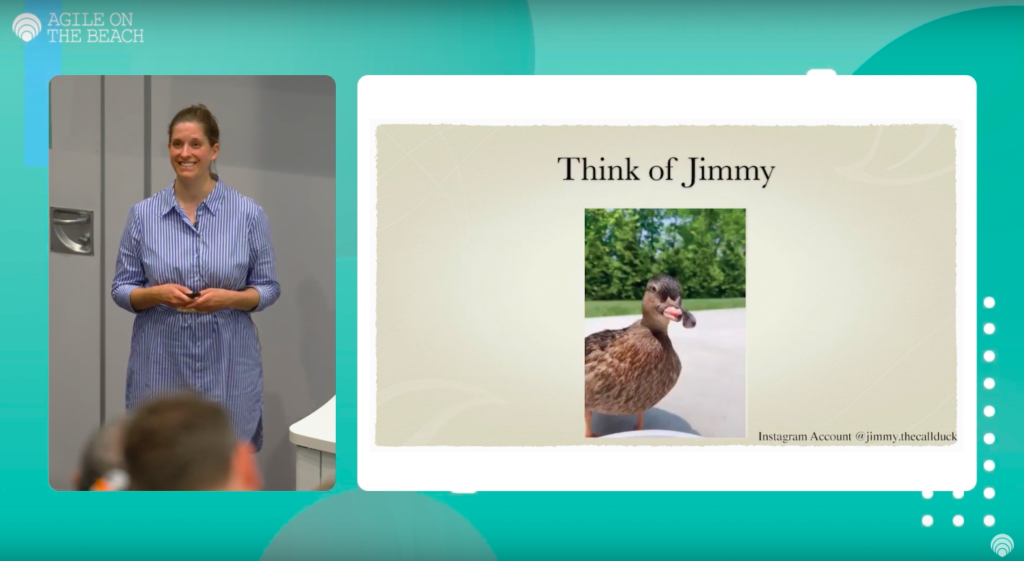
(710, 397)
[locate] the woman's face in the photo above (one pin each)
(191, 153)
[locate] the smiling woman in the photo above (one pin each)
(195, 260)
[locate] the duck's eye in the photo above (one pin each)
(651, 289)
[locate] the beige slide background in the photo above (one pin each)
(850, 276)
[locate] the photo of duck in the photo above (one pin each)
(629, 370)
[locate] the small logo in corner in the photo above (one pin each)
(27, 26)
(1002, 545)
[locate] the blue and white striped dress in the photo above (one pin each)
(215, 355)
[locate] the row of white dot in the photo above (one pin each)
(989, 493)
(989, 411)
(989, 438)
(958, 520)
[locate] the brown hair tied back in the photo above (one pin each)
(201, 115)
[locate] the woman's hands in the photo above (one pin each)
(173, 295)
(170, 294)
(209, 300)
(212, 300)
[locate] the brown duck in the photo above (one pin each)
(629, 370)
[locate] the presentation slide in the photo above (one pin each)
(830, 249)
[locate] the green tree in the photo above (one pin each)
(705, 249)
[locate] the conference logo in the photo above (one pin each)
(79, 27)
(1002, 545)
(27, 26)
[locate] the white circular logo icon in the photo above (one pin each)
(1002, 545)
(26, 26)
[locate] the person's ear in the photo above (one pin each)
(214, 152)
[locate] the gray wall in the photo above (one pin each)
(277, 146)
(75, 299)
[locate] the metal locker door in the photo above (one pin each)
(74, 274)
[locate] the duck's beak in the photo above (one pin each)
(673, 310)
(676, 312)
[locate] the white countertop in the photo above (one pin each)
(316, 430)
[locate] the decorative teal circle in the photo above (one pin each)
(385, 526)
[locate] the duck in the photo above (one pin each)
(629, 370)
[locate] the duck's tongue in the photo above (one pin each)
(673, 312)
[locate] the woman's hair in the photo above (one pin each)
(201, 115)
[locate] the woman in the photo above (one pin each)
(195, 260)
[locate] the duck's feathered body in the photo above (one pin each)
(628, 371)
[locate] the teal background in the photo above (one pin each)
(348, 41)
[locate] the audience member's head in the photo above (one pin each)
(184, 443)
(102, 462)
